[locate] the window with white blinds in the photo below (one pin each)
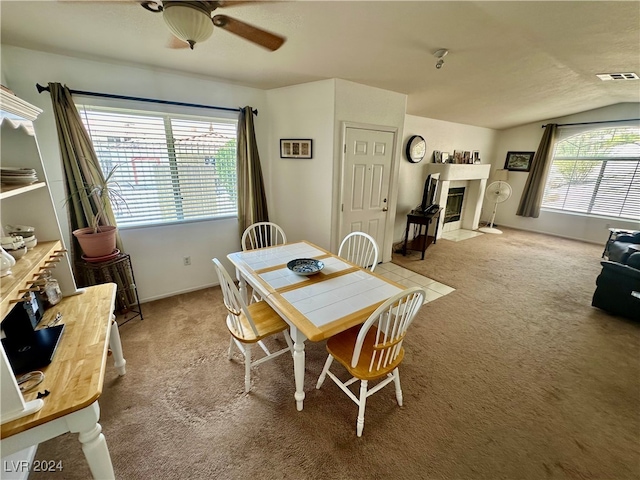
(170, 168)
(596, 172)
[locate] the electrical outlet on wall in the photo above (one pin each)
(187, 261)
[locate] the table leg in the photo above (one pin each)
(298, 365)
(242, 286)
(116, 347)
(94, 445)
(406, 238)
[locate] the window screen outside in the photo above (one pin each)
(170, 168)
(596, 172)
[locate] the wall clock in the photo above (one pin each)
(416, 148)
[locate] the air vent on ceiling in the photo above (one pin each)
(617, 76)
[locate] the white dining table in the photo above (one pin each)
(318, 306)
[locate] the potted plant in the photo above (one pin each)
(99, 239)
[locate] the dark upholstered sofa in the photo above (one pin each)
(619, 247)
(617, 281)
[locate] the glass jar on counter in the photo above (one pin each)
(51, 289)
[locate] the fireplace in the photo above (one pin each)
(453, 209)
(471, 178)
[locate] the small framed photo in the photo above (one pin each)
(445, 157)
(519, 161)
(437, 156)
(476, 156)
(295, 148)
(457, 156)
(466, 157)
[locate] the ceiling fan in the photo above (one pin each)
(192, 22)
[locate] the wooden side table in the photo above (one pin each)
(119, 271)
(421, 241)
(74, 379)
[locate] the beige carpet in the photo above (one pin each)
(512, 376)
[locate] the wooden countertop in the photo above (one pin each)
(76, 375)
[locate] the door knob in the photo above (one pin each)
(385, 209)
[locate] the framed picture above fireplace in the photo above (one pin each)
(519, 161)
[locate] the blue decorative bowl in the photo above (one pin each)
(305, 266)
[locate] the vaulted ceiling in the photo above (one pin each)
(509, 63)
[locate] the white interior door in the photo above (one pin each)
(365, 186)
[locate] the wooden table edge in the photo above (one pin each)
(47, 413)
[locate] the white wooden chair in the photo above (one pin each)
(262, 234)
(360, 248)
(249, 324)
(374, 350)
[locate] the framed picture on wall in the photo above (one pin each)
(295, 148)
(519, 161)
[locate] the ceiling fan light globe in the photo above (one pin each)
(187, 23)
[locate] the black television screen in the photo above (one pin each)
(429, 193)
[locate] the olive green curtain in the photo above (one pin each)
(534, 188)
(80, 164)
(252, 200)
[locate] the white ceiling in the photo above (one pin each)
(509, 63)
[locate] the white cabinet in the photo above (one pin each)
(26, 205)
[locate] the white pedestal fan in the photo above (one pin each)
(497, 192)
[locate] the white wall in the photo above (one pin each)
(299, 191)
(156, 252)
(442, 136)
(365, 105)
(527, 138)
(304, 194)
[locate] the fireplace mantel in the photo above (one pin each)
(476, 177)
(452, 171)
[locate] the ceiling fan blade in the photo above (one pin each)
(175, 43)
(233, 3)
(256, 35)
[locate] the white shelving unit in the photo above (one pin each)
(26, 205)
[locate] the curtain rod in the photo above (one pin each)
(141, 99)
(592, 123)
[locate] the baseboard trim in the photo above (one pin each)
(551, 234)
(179, 292)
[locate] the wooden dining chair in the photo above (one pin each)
(374, 350)
(249, 324)
(262, 234)
(360, 248)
